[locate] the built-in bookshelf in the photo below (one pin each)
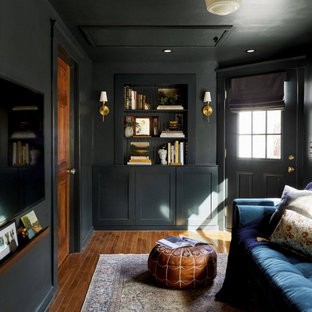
(25, 135)
(155, 116)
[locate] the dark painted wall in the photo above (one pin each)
(25, 57)
(307, 177)
(103, 134)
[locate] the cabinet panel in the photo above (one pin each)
(197, 196)
(155, 196)
(112, 196)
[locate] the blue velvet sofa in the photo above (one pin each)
(284, 278)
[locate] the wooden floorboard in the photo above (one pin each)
(76, 271)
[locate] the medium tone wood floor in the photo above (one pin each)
(76, 271)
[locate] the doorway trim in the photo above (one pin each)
(62, 46)
(223, 75)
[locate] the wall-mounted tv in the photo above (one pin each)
(21, 149)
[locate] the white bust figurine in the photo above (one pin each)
(162, 155)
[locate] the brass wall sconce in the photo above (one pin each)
(103, 110)
(207, 109)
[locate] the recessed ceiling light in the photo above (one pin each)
(167, 50)
(250, 51)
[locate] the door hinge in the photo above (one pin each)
(224, 153)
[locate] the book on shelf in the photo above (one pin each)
(25, 108)
(134, 100)
(140, 161)
(138, 157)
(170, 107)
(20, 154)
(172, 134)
(138, 164)
(176, 153)
(23, 135)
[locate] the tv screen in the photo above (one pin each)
(21, 149)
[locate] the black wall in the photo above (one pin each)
(307, 177)
(103, 134)
(25, 57)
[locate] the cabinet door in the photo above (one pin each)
(197, 196)
(112, 196)
(155, 196)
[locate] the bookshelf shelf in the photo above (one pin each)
(11, 259)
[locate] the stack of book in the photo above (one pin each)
(176, 153)
(139, 160)
(134, 100)
(20, 154)
(172, 134)
(170, 107)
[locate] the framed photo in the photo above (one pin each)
(168, 96)
(8, 239)
(142, 126)
(31, 223)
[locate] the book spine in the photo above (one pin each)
(172, 153)
(19, 152)
(14, 146)
(130, 98)
(169, 153)
(181, 158)
(134, 100)
(176, 151)
(27, 154)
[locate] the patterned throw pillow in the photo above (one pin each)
(293, 199)
(294, 232)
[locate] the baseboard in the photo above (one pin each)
(46, 301)
(86, 238)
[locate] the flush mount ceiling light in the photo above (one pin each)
(167, 50)
(250, 51)
(222, 7)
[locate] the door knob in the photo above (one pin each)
(72, 171)
(291, 169)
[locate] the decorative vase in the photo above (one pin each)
(128, 132)
(34, 155)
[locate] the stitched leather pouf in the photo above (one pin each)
(185, 267)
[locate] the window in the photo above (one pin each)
(259, 134)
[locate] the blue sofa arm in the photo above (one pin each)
(244, 214)
(256, 201)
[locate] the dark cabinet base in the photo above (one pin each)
(138, 198)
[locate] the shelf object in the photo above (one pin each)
(22, 250)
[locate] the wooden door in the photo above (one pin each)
(63, 157)
(262, 149)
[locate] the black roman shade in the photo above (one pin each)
(258, 92)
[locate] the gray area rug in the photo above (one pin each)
(121, 282)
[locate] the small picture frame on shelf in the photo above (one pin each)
(8, 239)
(31, 223)
(142, 126)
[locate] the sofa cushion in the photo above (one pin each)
(294, 232)
(286, 279)
(293, 199)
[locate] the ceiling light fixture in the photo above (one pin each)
(222, 7)
(167, 50)
(250, 51)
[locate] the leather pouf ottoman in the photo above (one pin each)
(185, 267)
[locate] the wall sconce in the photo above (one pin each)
(207, 110)
(104, 110)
